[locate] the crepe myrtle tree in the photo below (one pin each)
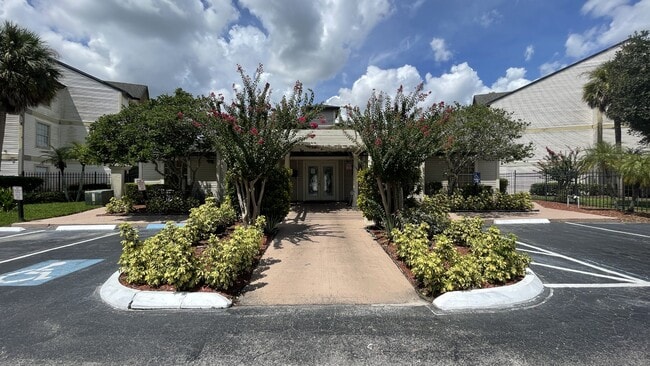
(251, 135)
(397, 133)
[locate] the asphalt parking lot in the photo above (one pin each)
(596, 310)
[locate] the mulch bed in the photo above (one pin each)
(640, 217)
(233, 292)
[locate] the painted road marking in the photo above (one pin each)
(85, 227)
(162, 226)
(21, 234)
(6, 229)
(610, 230)
(627, 281)
(40, 273)
(56, 248)
(520, 221)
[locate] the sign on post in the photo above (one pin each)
(18, 193)
(141, 185)
(477, 177)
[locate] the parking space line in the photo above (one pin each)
(56, 248)
(536, 252)
(583, 272)
(581, 262)
(610, 230)
(21, 234)
(595, 285)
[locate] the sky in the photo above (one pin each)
(341, 49)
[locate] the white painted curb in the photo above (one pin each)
(85, 227)
(489, 298)
(125, 298)
(520, 221)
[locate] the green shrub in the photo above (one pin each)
(476, 190)
(119, 205)
(503, 185)
(517, 201)
(209, 218)
(276, 202)
(492, 257)
(132, 263)
(369, 199)
(224, 260)
(7, 202)
(433, 210)
(544, 189)
(89, 187)
(28, 183)
(166, 201)
(432, 188)
(44, 197)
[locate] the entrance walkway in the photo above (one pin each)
(323, 255)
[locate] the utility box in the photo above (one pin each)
(99, 197)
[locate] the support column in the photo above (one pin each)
(118, 174)
(355, 183)
(287, 161)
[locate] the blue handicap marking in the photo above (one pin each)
(45, 271)
(162, 226)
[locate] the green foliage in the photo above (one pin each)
(132, 263)
(520, 201)
(564, 168)
(368, 199)
(503, 185)
(433, 210)
(7, 202)
(224, 260)
(44, 197)
(28, 183)
(209, 218)
(476, 190)
(479, 132)
(487, 201)
(398, 136)
(276, 202)
(38, 211)
(171, 203)
(119, 205)
(491, 258)
(432, 188)
(629, 85)
(251, 135)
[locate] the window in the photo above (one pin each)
(42, 135)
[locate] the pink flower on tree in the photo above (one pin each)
(180, 115)
(377, 141)
(302, 119)
(196, 124)
(260, 141)
(313, 125)
(254, 131)
(237, 128)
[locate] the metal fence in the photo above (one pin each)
(594, 190)
(53, 181)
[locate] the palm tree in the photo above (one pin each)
(597, 94)
(635, 169)
(79, 151)
(605, 158)
(28, 72)
(58, 157)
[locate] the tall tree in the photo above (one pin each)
(479, 132)
(597, 94)
(398, 135)
(630, 85)
(80, 152)
(59, 157)
(252, 136)
(28, 72)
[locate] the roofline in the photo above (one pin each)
(558, 71)
(96, 79)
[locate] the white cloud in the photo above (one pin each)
(620, 20)
(529, 52)
(488, 18)
(515, 78)
(550, 67)
(196, 44)
(440, 51)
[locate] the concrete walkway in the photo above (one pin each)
(323, 255)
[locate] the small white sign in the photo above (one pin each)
(141, 185)
(18, 193)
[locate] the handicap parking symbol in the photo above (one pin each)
(45, 271)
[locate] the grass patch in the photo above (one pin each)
(38, 211)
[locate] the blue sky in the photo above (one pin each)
(343, 49)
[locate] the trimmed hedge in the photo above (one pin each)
(28, 183)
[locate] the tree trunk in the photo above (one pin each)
(81, 182)
(635, 196)
(3, 122)
(617, 133)
(65, 186)
(384, 199)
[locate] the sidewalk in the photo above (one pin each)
(323, 255)
(538, 213)
(99, 216)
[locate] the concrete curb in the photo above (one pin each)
(492, 298)
(126, 298)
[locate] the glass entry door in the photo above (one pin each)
(320, 181)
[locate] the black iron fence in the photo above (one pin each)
(595, 190)
(54, 181)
